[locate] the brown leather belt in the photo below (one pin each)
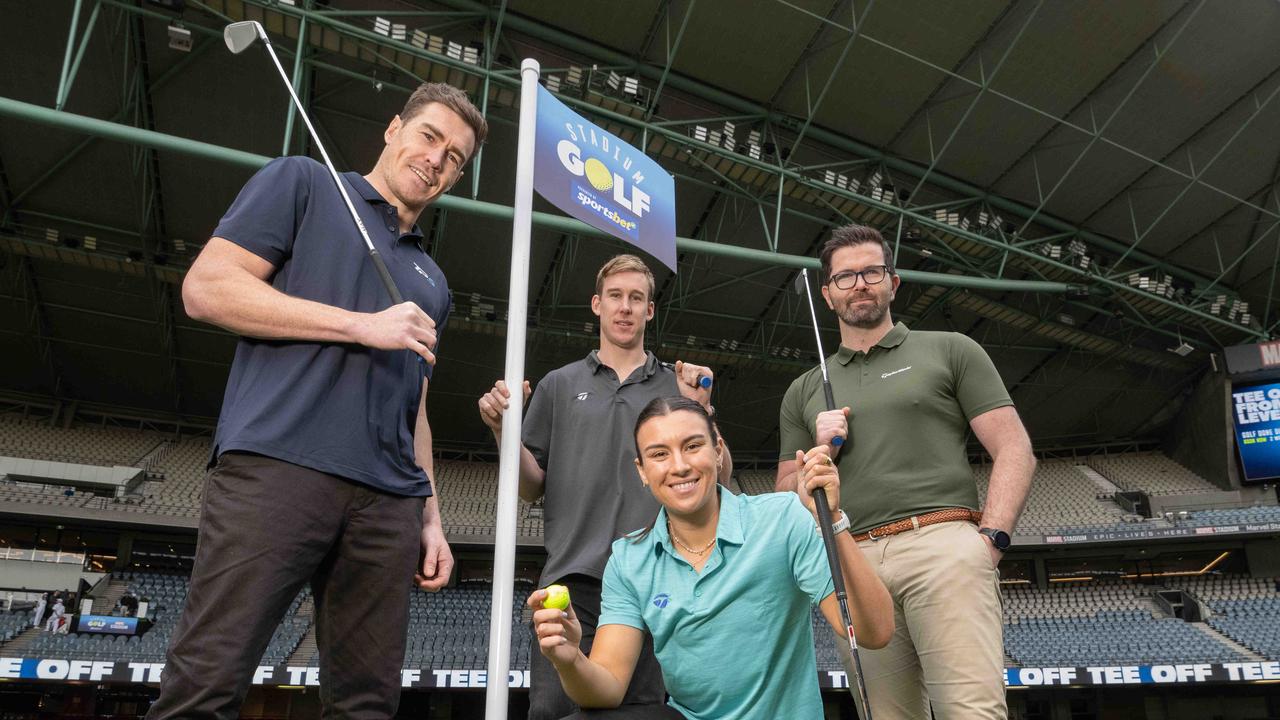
(919, 521)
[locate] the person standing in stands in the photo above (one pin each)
(908, 400)
(41, 603)
(580, 417)
(55, 616)
(322, 457)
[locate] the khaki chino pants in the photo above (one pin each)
(947, 649)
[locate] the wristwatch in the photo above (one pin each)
(999, 538)
(842, 524)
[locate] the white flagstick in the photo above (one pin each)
(504, 541)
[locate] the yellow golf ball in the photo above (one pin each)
(598, 175)
(557, 597)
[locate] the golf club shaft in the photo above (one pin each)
(824, 522)
(842, 598)
(836, 441)
(378, 264)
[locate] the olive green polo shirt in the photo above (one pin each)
(911, 398)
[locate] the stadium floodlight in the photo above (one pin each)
(238, 37)
(179, 38)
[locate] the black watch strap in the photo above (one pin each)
(999, 538)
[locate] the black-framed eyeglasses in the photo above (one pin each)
(871, 276)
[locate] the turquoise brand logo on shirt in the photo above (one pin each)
(660, 600)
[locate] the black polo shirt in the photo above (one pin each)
(342, 409)
(581, 430)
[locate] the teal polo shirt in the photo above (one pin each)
(911, 398)
(735, 640)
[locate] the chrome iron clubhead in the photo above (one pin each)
(241, 35)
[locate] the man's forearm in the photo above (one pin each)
(245, 305)
(431, 510)
(424, 455)
(1007, 491)
(532, 476)
(785, 481)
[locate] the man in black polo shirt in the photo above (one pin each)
(322, 457)
(578, 452)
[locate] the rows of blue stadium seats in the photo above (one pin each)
(13, 623)
(1104, 622)
(1235, 516)
(1113, 637)
(1068, 496)
(1252, 622)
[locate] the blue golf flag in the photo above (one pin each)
(595, 177)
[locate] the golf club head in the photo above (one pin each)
(241, 35)
(800, 283)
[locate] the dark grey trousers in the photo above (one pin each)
(646, 695)
(267, 528)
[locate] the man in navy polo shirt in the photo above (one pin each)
(322, 458)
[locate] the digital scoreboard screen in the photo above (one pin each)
(1256, 414)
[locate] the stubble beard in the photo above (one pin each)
(864, 317)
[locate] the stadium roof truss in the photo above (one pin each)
(1079, 217)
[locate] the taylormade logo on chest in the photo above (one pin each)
(894, 372)
(424, 274)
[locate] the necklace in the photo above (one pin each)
(686, 547)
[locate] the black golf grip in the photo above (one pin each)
(387, 282)
(392, 290)
(829, 540)
(836, 441)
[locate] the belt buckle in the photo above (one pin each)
(871, 535)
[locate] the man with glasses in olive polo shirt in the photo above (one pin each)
(907, 400)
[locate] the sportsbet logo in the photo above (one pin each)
(603, 179)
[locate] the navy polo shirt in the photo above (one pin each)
(342, 409)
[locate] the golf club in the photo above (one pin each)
(241, 35)
(824, 515)
(703, 381)
(836, 441)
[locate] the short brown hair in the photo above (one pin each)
(452, 98)
(849, 236)
(624, 263)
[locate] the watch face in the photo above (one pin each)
(999, 538)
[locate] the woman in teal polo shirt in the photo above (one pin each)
(723, 582)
